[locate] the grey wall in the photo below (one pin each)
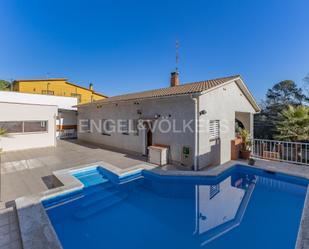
(221, 104)
(180, 108)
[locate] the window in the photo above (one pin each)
(135, 126)
(124, 127)
(24, 126)
(214, 190)
(12, 126)
(35, 126)
(106, 127)
(214, 129)
(48, 92)
(78, 96)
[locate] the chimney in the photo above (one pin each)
(91, 86)
(174, 79)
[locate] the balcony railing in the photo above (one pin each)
(67, 134)
(292, 152)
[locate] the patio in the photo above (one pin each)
(30, 171)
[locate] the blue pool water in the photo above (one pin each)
(242, 208)
(91, 177)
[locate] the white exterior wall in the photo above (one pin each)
(27, 112)
(67, 117)
(221, 104)
(40, 99)
(180, 108)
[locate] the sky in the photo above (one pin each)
(128, 46)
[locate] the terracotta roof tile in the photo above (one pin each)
(189, 88)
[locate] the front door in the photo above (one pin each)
(147, 137)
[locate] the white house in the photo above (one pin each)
(34, 120)
(196, 121)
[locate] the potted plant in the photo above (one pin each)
(245, 151)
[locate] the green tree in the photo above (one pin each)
(293, 124)
(283, 94)
(306, 85)
(278, 98)
(4, 85)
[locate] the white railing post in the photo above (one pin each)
(292, 152)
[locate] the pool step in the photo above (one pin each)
(97, 195)
(99, 202)
(98, 188)
(91, 177)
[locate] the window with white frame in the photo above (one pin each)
(24, 126)
(214, 129)
(106, 127)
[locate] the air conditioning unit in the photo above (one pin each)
(158, 154)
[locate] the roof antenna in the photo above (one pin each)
(175, 75)
(177, 55)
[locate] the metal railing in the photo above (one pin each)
(67, 134)
(292, 152)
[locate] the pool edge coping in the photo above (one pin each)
(35, 227)
(302, 241)
(71, 184)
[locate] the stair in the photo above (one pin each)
(99, 200)
(91, 177)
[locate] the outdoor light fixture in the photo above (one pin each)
(139, 112)
(203, 112)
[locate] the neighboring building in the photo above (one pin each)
(28, 125)
(57, 87)
(211, 107)
(33, 120)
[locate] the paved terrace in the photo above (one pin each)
(30, 171)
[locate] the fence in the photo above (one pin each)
(292, 152)
(67, 134)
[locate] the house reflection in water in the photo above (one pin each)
(220, 208)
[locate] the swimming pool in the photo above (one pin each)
(241, 208)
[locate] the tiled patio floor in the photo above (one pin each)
(27, 172)
(24, 173)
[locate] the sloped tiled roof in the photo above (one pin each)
(189, 88)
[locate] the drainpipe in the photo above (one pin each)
(196, 132)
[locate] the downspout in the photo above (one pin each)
(196, 132)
